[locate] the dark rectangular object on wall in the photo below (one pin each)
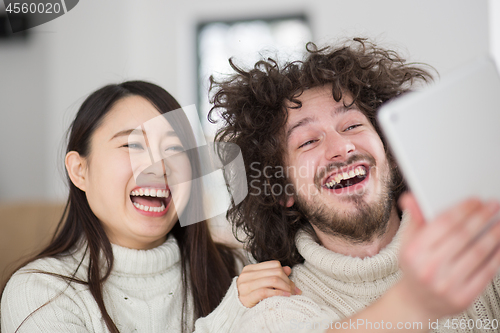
(6, 25)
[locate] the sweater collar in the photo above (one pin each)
(131, 262)
(346, 268)
(145, 262)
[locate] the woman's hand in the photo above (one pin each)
(259, 281)
(448, 262)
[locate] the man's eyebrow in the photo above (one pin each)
(302, 122)
(344, 108)
(137, 131)
(308, 120)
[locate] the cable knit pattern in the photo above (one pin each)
(142, 294)
(335, 286)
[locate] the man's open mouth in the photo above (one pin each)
(150, 199)
(346, 178)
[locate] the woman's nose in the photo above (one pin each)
(158, 169)
(156, 173)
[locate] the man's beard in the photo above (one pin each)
(367, 222)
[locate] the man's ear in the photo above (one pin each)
(76, 167)
(288, 203)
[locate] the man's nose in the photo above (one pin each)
(338, 146)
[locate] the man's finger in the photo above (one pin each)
(442, 229)
(261, 266)
(407, 202)
(255, 297)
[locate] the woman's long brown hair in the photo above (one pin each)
(207, 267)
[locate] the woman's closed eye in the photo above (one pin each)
(133, 145)
(176, 148)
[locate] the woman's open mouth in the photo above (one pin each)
(151, 201)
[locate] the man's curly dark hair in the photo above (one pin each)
(253, 107)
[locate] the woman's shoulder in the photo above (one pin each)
(41, 284)
(49, 272)
(62, 264)
(41, 271)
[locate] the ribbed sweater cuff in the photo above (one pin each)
(226, 315)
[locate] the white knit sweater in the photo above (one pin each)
(336, 286)
(142, 294)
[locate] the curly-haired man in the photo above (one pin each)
(323, 194)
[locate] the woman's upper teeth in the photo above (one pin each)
(151, 192)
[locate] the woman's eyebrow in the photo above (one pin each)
(136, 131)
(127, 132)
(170, 133)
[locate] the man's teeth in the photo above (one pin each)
(359, 171)
(151, 193)
(150, 209)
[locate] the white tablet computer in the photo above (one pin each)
(446, 138)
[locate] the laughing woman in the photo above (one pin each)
(121, 261)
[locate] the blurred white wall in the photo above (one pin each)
(494, 21)
(44, 80)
